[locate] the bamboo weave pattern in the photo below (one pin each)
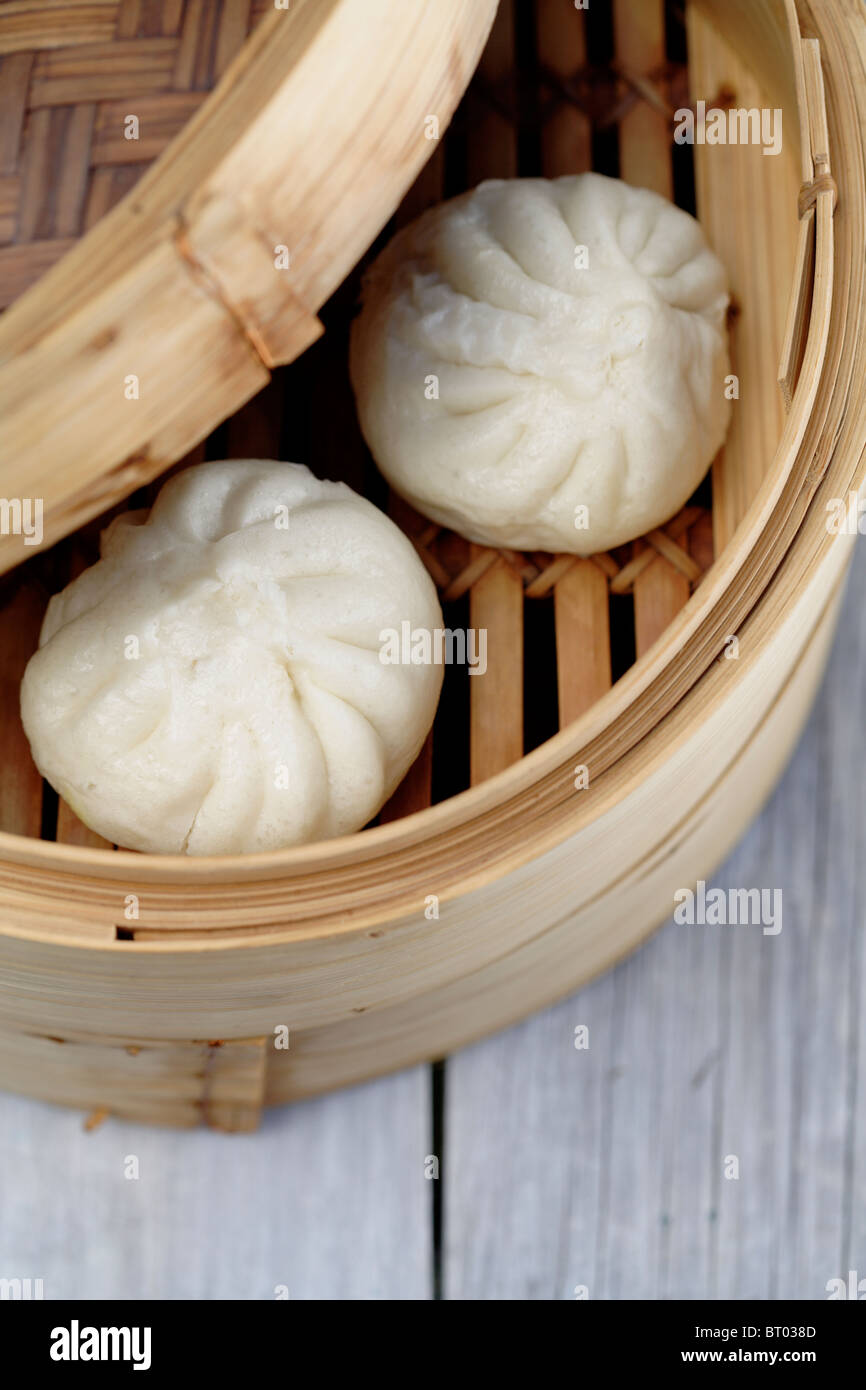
(70, 75)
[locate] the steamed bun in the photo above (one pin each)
(213, 684)
(540, 364)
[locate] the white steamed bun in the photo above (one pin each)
(257, 713)
(502, 384)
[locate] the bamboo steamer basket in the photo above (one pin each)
(163, 988)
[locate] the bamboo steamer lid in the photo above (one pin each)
(155, 321)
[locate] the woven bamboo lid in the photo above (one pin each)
(149, 300)
(90, 94)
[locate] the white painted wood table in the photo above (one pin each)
(602, 1168)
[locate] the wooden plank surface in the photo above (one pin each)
(327, 1199)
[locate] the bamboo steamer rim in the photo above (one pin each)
(786, 514)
